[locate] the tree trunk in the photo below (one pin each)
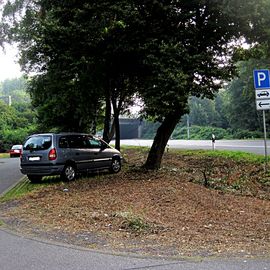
(112, 131)
(116, 112)
(163, 134)
(107, 120)
(117, 131)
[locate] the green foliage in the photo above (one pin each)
(201, 132)
(79, 71)
(9, 137)
(18, 120)
(240, 107)
(234, 155)
(206, 112)
(133, 223)
(206, 132)
(136, 224)
(9, 86)
(16, 88)
(85, 53)
(234, 107)
(25, 187)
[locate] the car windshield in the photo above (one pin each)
(16, 147)
(38, 143)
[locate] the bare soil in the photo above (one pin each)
(193, 206)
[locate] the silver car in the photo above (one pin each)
(67, 154)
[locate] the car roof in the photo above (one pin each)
(61, 134)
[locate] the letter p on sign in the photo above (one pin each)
(261, 79)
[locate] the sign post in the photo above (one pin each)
(213, 141)
(265, 144)
(262, 93)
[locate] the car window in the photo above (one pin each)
(78, 141)
(63, 142)
(38, 143)
(16, 147)
(94, 143)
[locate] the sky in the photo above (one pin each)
(9, 68)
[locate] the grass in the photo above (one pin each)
(4, 155)
(25, 186)
(19, 190)
(234, 155)
(132, 222)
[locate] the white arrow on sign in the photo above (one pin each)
(263, 104)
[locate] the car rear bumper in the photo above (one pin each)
(14, 154)
(42, 170)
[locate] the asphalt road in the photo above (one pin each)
(9, 173)
(20, 253)
(251, 146)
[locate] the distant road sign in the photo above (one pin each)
(261, 79)
(263, 104)
(262, 91)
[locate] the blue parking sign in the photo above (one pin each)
(261, 79)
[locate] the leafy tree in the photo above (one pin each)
(240, 106)
(14, 125)
(192, 53)
(16, 88)
(9, 86)
(77, 71)
(221, 119)
(165, 50)
(7, 116)
(18, 120)
(206, 112)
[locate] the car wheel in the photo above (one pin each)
(116, 165)
(34, 178)
(69, 173)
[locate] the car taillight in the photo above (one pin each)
(52, 154)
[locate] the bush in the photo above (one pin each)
(199, 133)
(202, 133)
(9, 137)
(246, 134)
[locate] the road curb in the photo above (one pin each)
(12, 186)
(5, 228)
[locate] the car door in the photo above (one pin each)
(99, 156)
(79, 151)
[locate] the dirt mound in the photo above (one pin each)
(189, 207)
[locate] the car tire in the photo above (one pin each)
(34, 178)
(69, 173)
(115, 165)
